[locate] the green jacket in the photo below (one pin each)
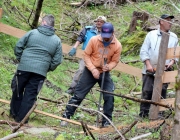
(39, 51)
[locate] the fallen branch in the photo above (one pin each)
(130, 127)
(60, 102)
(8, 122)
(136, 99)
(12, 135)
(89, 131)
(84, 129)
(141, 136)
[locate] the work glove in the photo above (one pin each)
(72, 52)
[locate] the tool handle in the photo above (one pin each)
(105, 61)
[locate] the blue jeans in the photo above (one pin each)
(86, 82)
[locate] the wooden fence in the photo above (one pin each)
(167, 76)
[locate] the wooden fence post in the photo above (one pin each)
(156, 97)
(1, 12)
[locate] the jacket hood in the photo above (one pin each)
(47, 30)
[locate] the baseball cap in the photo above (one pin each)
(101, 18)
(107, 30)
(164, 16)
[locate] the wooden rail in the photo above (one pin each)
(167, 77)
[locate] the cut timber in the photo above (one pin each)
(173, 52)
(169, 101)
(11, 30)
(54, 116)
(120, 67)
(64, 119)
(1, 12)
(171, 86)
(129, 69)
(169, 76)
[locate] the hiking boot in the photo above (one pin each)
(106, 124)
(70, 91)
(63, 123)
(143, 115)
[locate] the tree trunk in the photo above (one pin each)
(176, 127)
(138, 16)
(37, 13)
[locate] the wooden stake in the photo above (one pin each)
(156, 97)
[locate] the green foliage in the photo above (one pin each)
(132, 43)
(7, 44)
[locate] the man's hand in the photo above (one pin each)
(95, 73)
(105, 68)
(169, 67)
(72, 52)
(149, 66)
(170, 63)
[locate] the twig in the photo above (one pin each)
(84, 129)
(141, 136)
(130, 127)
(12, 135)
(25, 118)
(89, 131)
(8, 122)
(174, 5)
(49, 100)
(137, 83)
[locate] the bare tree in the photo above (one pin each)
(37, 13)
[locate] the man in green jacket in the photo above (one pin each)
(38, 52)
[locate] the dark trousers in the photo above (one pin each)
(25, 87)
(147, 90)
(86, 82)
